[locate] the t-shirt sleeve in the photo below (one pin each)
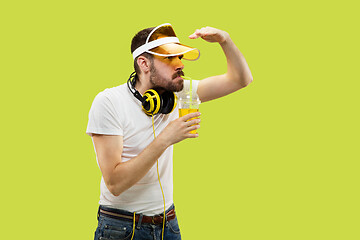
(103, 118)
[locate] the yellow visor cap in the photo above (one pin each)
(162, 41)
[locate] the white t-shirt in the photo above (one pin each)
(116, 111)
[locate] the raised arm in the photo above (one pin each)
(238, 74)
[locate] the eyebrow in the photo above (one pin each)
(181, 56)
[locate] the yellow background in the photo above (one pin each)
(276, 160)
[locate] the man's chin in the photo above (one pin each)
(179, 85)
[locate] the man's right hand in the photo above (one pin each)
(180, 128)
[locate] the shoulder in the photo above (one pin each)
(111, 95)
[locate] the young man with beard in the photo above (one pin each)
(132, 204)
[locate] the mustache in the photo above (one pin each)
(178, 74)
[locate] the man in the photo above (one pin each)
(133, 199)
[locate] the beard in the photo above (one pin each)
(162, 83)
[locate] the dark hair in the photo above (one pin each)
(138, 40)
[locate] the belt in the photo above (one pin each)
(157, 219)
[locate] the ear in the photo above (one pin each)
(144, 64)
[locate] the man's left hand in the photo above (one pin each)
(210, 34)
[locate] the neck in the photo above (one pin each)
(142, 83)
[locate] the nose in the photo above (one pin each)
(179, 65)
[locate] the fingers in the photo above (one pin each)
(210, 34)
(198, 33)
(194, 36)
(192, 135)
(193, 122)
(203, 32)
(181, 128)
(191, 131)
(190, 123)
(193, 127)
(189, 116)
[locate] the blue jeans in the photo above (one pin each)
(110, 228)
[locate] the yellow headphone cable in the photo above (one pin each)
(162, 191)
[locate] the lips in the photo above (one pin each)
(178, 75)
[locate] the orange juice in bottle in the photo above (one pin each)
(184, 111)
(188, 101)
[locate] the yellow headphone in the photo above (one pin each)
(152, 101)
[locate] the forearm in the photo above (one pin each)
(237, 68)
(126, 174)
(118, 175)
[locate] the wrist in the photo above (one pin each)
(162, 141)
(226, 38)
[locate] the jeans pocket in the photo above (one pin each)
(174, 226)
(118, 232)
